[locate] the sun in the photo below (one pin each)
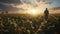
(34, 12)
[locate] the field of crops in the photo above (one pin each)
(24, 24)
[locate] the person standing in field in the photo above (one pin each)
(46, 14)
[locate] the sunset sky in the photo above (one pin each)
(18, 5)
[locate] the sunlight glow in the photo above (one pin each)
(34, 7)
(34, 11)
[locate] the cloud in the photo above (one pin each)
(11, 1)
(56, 8)
(44, 1)
(6, 7)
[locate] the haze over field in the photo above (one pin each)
(29, 6)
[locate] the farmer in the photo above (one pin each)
(46, 14)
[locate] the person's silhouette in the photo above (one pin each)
(46, 14)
